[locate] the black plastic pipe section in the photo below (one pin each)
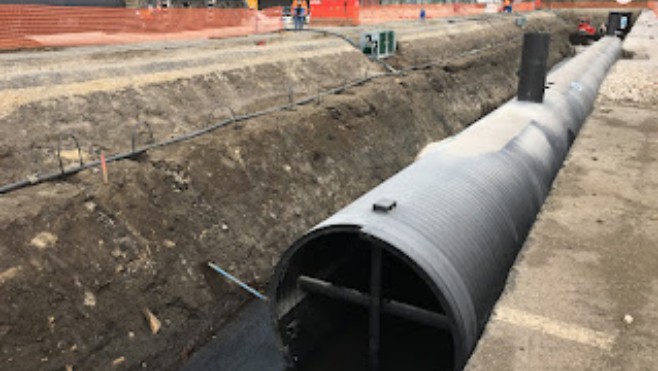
(532, 73)
(619, 23)
(614, 21)
(449, 228)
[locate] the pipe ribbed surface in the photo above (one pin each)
(457, 216)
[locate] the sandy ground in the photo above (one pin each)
(583, 294)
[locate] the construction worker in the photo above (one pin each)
(603, 29)
(299, 17)
(507, 6)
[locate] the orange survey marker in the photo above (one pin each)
(104, 168)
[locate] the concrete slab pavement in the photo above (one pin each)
(583, 294)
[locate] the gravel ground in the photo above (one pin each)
(635, 80)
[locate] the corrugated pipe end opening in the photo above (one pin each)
(324, 307)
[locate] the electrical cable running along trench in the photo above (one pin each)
(136, 152)
(406, 277)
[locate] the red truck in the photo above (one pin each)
(586, 32)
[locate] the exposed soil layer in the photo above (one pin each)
(83, 261)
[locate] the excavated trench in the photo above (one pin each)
(83, 261)
(453, 221)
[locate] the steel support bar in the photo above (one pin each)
(375, 305)
(405, 311)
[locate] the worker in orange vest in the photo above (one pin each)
(507, 6)
(299, 13)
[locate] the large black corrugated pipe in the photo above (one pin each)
(405, 277)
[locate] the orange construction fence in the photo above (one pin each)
(526, 6)
(387, 13)
(25, 26)
(336, 12)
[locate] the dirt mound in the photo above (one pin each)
(83, 262)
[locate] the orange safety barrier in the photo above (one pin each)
(26, 26)
(388, 13)
(369, 12)
(337, 12)
(523, 6)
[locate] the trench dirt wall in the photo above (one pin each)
(100, 96)
(83, 261)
